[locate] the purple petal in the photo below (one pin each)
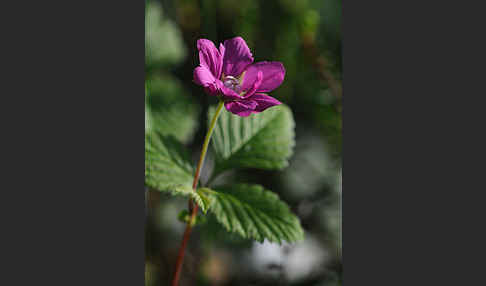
(214, 89)
(255, 86)
(202, 76)
(273, 76)
(237, 56)
(221, 52)
(263, 101)
(229, 94)
(210, 57)
(241, 108)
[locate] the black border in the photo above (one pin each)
(73, 145)
(73, 200)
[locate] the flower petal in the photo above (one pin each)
(210, 57)
(255, 86)
(229, 94)
(241, 108)
(273, 76)
(237, 56)
(213, 89)
(202, 76)
(263, 101)
(221, 52)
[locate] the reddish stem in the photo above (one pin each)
(187, 233)
(194, 207)
(182, 249)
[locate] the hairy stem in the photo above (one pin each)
(193, 208)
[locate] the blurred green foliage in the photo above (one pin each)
(306, 37)
(169, 109)
(163, 41)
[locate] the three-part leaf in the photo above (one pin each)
(168, 168)
(264, 140)
(253, 212)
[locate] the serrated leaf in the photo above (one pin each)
(167, 162)
(168, 168)
(253, 212)
(264, 140)
(184, 190)
(169, 109)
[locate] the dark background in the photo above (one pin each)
(306, 37)
(72, 209)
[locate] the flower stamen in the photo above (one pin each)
(232, 83)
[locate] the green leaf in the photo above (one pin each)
(185, 217)
(168, 168)
(167, 163)
(253, 212)
(169, 109)
(183, 190)
(264, 140)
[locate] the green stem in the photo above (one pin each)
(206, 144)
(194, 207)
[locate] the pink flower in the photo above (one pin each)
(229, 72)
